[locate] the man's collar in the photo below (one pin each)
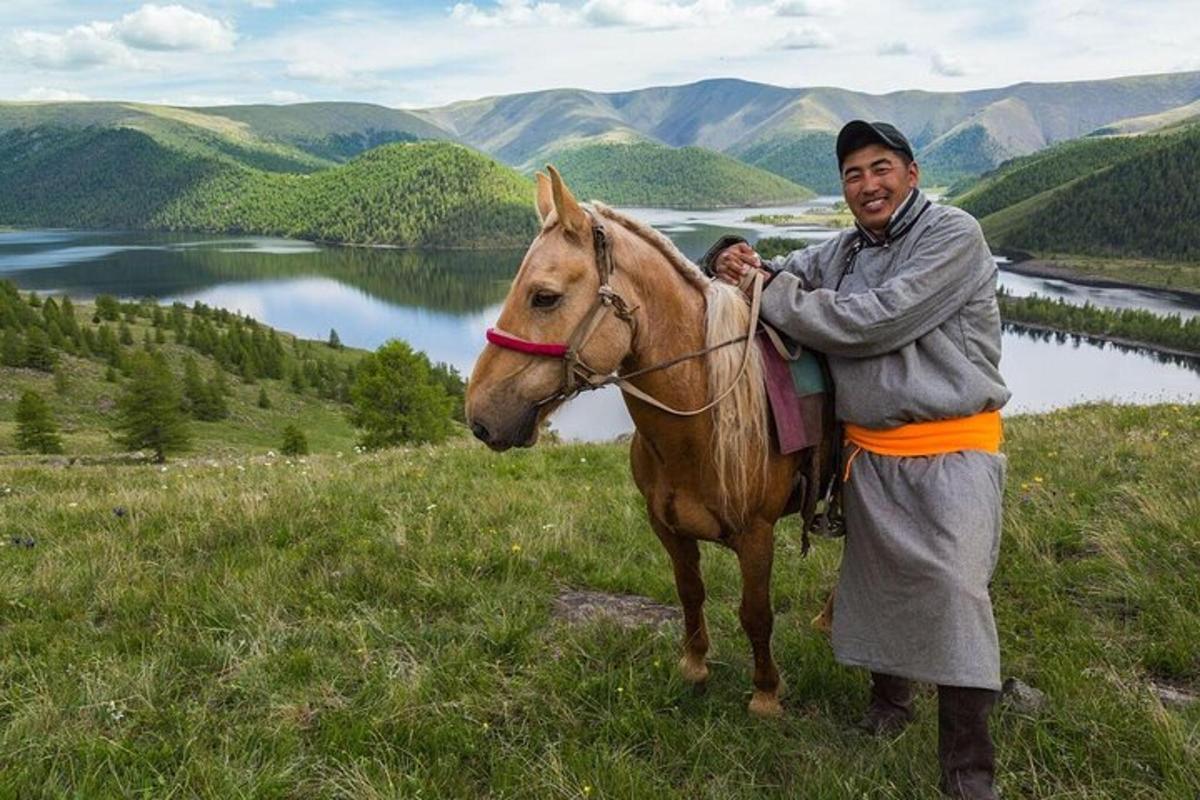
(901, 219)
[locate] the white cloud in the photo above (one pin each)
(894, 49)
(806, 37)
(284, 96)
(806, 8)
(333, 74)
(951, 67)
(510, 13)
(660, 14)
(81, 46)
(262, 3)
(173, 27)
(52, 94)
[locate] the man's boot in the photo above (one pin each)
(965, 750)
(890, 709)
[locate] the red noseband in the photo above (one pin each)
(510, 342)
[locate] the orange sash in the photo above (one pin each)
(981, 431)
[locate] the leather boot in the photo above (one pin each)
(890, 709)
(965, 750)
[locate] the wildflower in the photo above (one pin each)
(241, 468)
(582, 460)
(1037, 478)
(587, 789)
(162, 469)
(431, 507)
(486, 726)
(516, 548)
(548, 526)
(72, 504)
(164, 486)
(620, 690)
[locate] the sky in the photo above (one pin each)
(412, 54)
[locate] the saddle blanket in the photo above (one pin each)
(795, 391)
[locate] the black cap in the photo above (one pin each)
(858, 133)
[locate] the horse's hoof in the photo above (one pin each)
(693, 671)
(765, 705)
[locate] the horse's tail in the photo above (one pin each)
(741, 448)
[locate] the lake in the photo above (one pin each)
(442, 302)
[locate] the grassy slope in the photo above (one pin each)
(1140, 206)
(647, 174)
(379, 625)
(86, 414)
(1025, 177)
(806, 158)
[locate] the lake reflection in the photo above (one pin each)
(442, 302)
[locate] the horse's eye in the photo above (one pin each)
(545, 299)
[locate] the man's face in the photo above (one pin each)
(875, 181)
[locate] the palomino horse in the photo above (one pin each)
(624, 301)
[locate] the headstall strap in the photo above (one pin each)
(579, 377)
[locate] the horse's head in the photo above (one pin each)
(552, 301)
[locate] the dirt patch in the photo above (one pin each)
(582, 606)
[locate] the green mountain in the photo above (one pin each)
(1022, 178)
(430, 194)
(1142, 205)
(334, 131)
(647, 174)
(806, 158)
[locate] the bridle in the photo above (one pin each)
(578, 377)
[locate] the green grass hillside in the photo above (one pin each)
(380, 626)
(1143, 205)
(1022, 178)
(647, 174)
(429, 194)
(806, 158)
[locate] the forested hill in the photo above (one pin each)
(648, 174)
(1143, 205)
(1022, 178)
(429, 194)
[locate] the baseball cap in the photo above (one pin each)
(860, 133)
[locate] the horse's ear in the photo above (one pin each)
(545, 196)
(570, 215)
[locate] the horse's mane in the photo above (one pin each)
(741, 447)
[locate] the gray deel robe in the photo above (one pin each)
(911, 328)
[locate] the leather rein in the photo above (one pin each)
(578, 377)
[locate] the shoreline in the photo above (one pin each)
(1040, 268)
(1116, 340)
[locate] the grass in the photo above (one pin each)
(1154, 273)
(378, 626)
(86, 411)
(826, 219)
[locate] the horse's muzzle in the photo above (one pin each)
(500, 432)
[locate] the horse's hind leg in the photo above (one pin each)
(755, 550)
(685, 559)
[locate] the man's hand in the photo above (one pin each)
(734, 262)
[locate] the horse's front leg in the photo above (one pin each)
(756, 550)
(685, 559)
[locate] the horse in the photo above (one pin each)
(602, 298)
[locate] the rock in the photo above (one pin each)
(1172, 696)
(581, 606)
(1021, 697)
(23, 541)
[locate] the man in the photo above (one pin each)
(904, 306)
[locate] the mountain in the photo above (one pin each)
(1140, 204)
(648, 174)
(955, 133)
(428, 194)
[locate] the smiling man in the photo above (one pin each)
(904, 306)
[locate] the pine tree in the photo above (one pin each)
(38, 352)
(295, 443)
(396, 399)
(334, 340)
(264, 400)
(124, 335)
(36, 429)
(149, 414)
(12, 350)
(62, 382)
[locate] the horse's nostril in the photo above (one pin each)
(481, 432)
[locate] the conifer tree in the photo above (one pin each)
(397, 400)
(264, 400)
(38, 352)
(295, 443)
(36, 429)
(334, 340)
(148, 410)
(12, 349)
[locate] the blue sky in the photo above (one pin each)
(420, 54)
